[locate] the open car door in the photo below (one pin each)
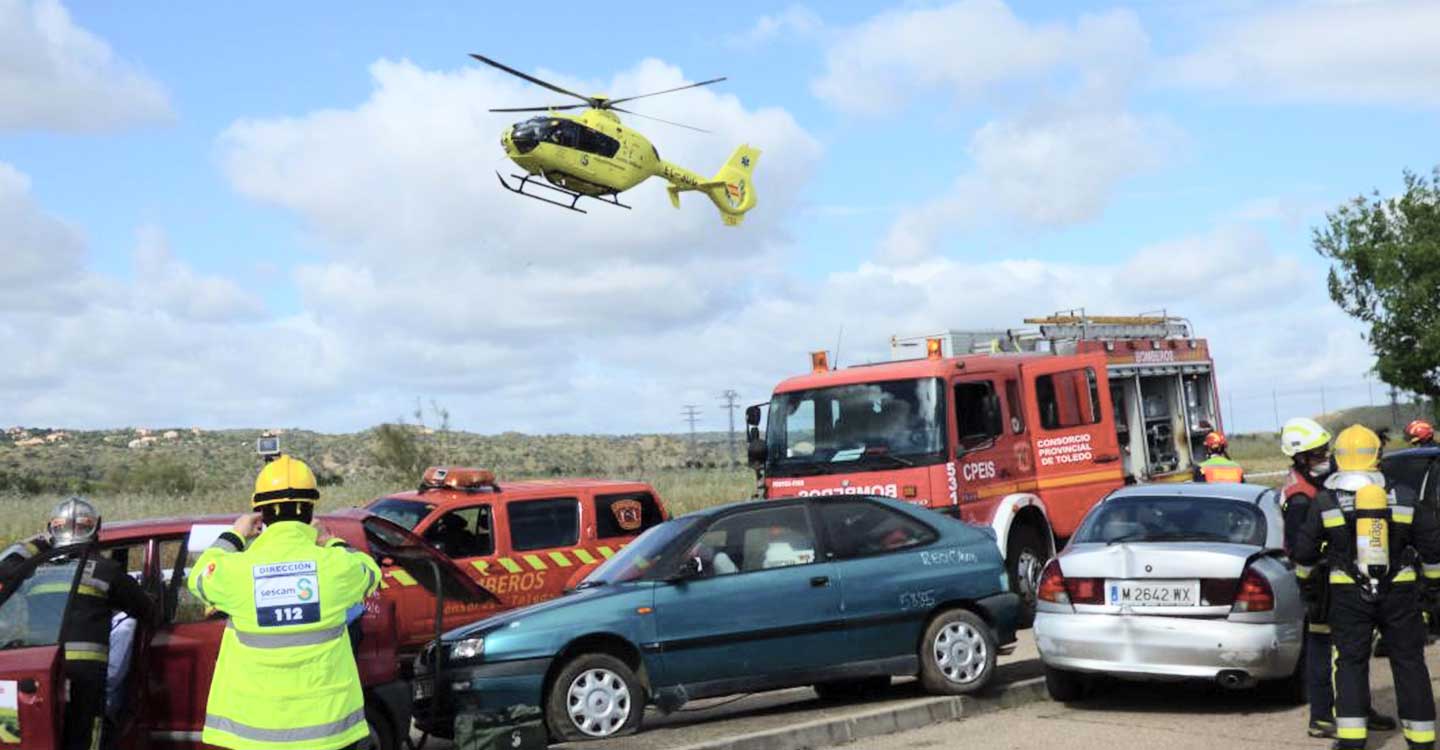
(34, 599)
(431, 593)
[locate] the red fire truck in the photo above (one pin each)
(1021, 430)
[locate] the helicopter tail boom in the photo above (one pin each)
(732, 190)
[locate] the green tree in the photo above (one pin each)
(403, 451)
(1385, 271)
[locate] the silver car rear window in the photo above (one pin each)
(1143, 518)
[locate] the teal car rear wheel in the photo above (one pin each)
(957, 653)
(596, 696)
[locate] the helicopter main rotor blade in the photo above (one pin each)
(539, 109)
(666, 91)
(529, 78)
(657, 119)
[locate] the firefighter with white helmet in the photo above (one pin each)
(85, 589)
(1307, 444)
(286, 678)
(1373, 546)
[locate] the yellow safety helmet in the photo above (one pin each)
(1357, 449)
(285, 479)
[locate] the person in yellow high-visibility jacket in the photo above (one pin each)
(286, 678)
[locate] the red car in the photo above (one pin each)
(165, 691)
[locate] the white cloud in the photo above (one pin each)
(969, 48)
(167, 284)
(55, 75)
(42, 253)
(794, 21)
(1356, 53)
(1051, 168)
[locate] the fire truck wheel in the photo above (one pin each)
(595, 696)
(1025, 557)
(957, 653)
(382, 733)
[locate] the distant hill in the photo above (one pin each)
(1376, 417)
(41, 460)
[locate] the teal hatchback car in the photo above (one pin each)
(842, 593)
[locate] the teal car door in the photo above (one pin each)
(764, 604)
(887, 588)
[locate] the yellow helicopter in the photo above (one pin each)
(592, 155)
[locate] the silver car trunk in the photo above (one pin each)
(1173, 561)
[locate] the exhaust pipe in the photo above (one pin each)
(1235, 679)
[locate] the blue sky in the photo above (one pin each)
(247, 174)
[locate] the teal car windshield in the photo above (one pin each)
(639, 557)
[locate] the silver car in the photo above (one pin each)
(1183, 581)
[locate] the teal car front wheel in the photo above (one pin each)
(594, 697)
(957, 653)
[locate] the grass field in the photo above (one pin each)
(682, 490)
(216, 468)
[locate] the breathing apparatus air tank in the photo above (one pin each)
(1372, 532)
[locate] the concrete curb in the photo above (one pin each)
(921, 712)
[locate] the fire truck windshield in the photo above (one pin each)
(406, 513)
(856, 427)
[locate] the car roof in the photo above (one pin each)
(144, 528)
(1250, 493)
(1429, 451)
(526, 490)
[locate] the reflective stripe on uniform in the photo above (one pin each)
(222, 543)
(285, 640)
(1303, 571)
(1418, 731)
(86, 651)
(1319, 628)
(1402, 513)
(1405, 576)
(1432, 570)
(200, 587)
(1332, 518)
(294, 734)
(1350, 728)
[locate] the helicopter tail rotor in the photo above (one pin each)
(732, 189)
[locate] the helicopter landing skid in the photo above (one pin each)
(611, 199)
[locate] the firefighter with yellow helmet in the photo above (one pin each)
(285, 678)
(1373, 547)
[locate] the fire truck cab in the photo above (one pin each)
(524, 541)
(1019, 430)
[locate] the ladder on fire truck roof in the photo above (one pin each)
(1058, 332)
(1076, 325)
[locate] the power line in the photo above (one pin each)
(730, 397)
(692, 415)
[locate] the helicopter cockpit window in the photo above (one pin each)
(596, 142)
